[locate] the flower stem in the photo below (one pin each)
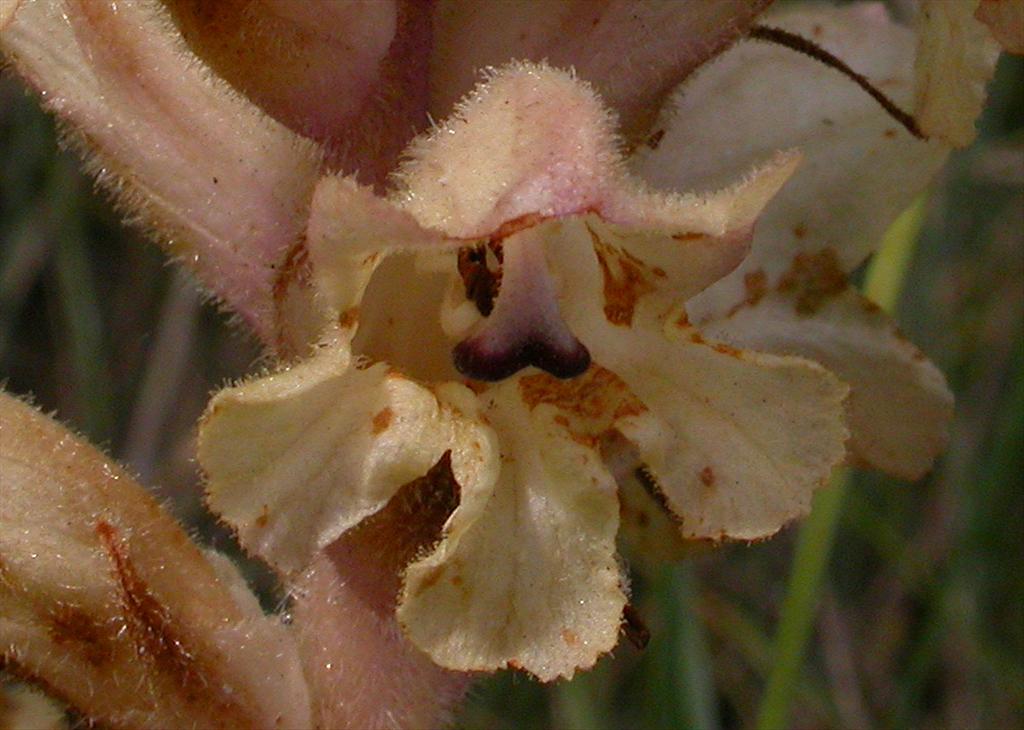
(883, 284)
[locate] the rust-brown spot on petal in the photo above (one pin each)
(382, 420)
(756, 284)
(430, 580)
(264, 517)
(707, 476)
(349, 318)
(599, 395)
(812, 279)
(625, 281)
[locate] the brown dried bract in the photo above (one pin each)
(634, 628)
(409, 525)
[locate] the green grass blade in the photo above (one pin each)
(800, 607)
(577, 704)
(82, 313)
(883, 284)
(690, 665)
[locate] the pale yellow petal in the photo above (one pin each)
(350, 232)
(525, 575)
(900, 406)
(296, 458)
(956, 57)
(104, 599)
(737, 441)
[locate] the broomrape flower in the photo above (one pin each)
(495, 351)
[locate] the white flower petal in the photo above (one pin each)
(105, 600)
(860, 168)
(296, 458)
(525, 575)
(223, 186)
(900, 406)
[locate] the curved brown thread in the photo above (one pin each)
(798, 43)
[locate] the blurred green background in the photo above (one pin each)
(897, 606)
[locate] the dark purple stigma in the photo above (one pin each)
(522, 325)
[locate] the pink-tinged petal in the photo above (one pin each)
(529, 141)
(224, 187)
(956, 58)
(525, 574)
(860, 169)
(529, 157)
(350, 75)
(362, 671)
(634, 53)
(1005, 19)
(900, 406)
(106, 602)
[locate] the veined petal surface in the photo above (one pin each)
(736, 441)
